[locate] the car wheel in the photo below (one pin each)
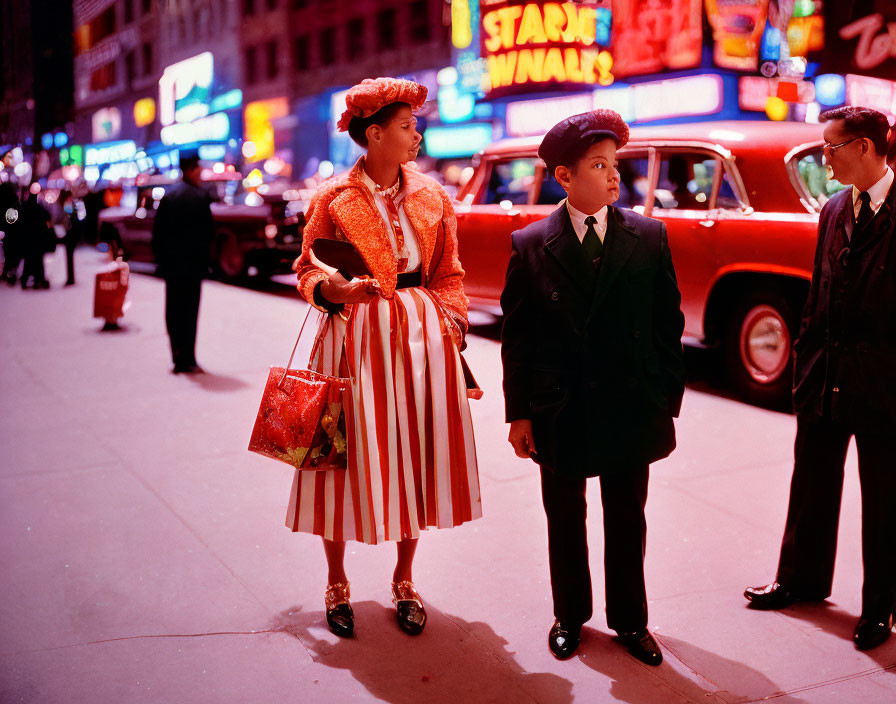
(759, 347)
(230, 262)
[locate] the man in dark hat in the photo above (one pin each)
(593, 373)
(181, 238)
(844, 383)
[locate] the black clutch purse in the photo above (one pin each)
(341, 256)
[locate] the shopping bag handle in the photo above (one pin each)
(313, 348)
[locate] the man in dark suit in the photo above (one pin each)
(845, 383)
(593, 373)
(181, 238)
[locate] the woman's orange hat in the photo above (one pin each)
(371, 94)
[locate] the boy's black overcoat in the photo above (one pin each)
(594, 360)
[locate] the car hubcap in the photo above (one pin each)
(764, 344)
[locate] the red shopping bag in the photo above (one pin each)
(110, 291)
(301, 418)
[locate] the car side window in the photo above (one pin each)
(685, 182)
(815, 176)
(633, 181)
(511, 180)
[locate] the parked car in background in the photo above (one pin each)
(256, 231)
(740, 201)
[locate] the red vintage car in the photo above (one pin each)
(740, 201)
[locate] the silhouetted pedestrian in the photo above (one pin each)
(11, 226)
(181, 238)
(37, 235)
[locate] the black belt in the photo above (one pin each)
(411, 279)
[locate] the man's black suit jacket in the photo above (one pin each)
(845, 361)
(182, 232)
(595, 364)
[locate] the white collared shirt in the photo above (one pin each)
(878, 193)
(410, 236)
(578, 221)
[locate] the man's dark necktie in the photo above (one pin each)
(591, 242)
(865, 212)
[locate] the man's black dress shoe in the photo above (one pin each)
(770, 597)
(340, 617)
(564, 639)
(642, 646)
(871, 633)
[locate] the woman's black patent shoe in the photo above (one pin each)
(340, 617)
(408, 607)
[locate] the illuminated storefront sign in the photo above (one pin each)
(455, 104)
(534, 44)
(671, 98)
(737, 29)
(144, 112)
(461, 22)
(226, 101)
(876, 93)
(753, 92)
(184, 89)
(648, 37)
(457, 140)
(642, 102)
(213, 128)
(860, 37)
(106, 124)
(258, 126)
(109, 153)
(531, 117)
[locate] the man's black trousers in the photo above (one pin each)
(623, 497)
(806, 566)
(181, 315)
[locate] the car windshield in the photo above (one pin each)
(814, 175)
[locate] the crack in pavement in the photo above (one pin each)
(282, 629)
(817, 685)
(782, 693)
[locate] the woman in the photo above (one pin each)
(412, 459)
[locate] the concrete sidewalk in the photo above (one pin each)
(143, 556)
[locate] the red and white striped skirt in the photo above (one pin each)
(411, 454)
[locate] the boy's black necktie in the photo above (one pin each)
(591, 242)
(865, 212)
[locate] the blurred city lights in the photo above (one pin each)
(158, 193)
(830, 89)
(270, 231)
(274, 165)
(249, 149)
(35, 188)
(447, 76)
(218, 168)
(254, 200)
(326, 169)
(776, 109)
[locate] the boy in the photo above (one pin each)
(593, 373)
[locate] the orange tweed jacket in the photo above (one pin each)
(343, 208)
